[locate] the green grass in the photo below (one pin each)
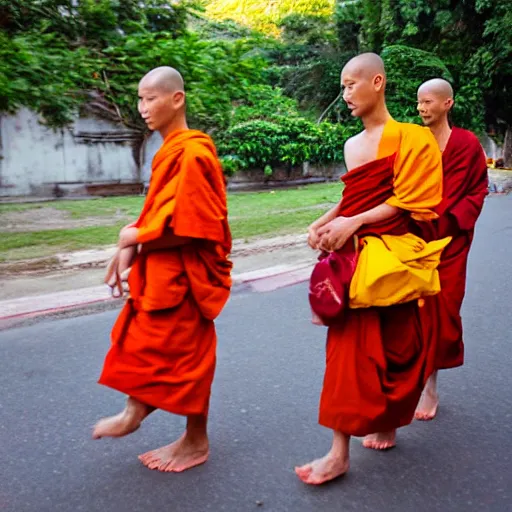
(251, 214)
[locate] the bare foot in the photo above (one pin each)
(380, 441)
(123, 423)
(427, 406)
(323, 470)
(179, 456)
(429, 401)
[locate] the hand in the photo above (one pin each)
(313, 238)
(335, 234)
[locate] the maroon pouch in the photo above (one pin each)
(330, 283)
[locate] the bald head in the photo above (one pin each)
(162, 100)
(165, 79)
(438, 86)
(364, 82)
(435, 100)
(366, 65)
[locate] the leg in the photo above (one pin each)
(190, 450)
(333, 465)
(429, 401)
(380, 441)
(125, 422)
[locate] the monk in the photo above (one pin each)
(465, 186)
(377, 358)
(163, 347)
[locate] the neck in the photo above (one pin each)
(441, 132)
(378, 117)
(179, 123)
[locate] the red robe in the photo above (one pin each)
(465, 186)
(163, 348)
(378, 359)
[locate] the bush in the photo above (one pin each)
(407, 68)
(285, 141)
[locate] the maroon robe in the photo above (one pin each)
(465, 185)
(378, 359)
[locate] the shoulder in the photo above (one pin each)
(419, 140)
(415, 131)
(353, 142)
(464, 142)
(465, 137)
(200, 156)
(200, 147)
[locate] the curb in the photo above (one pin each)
(262, 280)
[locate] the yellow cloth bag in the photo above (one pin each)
(395, 269)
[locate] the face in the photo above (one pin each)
(360, 93)
(158, 107)
(432, 107)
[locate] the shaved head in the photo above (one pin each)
(164, 78)
(162, 102)
(435, 100)
(437, 86)
(364, 82)
(366, 65)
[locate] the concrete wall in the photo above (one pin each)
(492, 150)
(33, 158)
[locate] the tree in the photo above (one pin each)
(266, 15)
(407, 68)
(492, 62)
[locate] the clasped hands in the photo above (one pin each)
(334, 234)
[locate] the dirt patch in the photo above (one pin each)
(47, 218)
(35, 266)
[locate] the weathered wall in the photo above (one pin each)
(33, 158)
(492, 150)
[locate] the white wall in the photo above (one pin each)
(33, 157)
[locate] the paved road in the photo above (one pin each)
(263, 420)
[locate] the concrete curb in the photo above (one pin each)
(266, 279)
(90, 258)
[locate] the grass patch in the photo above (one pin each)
(81, 209)
(251, 214)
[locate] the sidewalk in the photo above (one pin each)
(74, 280)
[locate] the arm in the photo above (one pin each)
(378, 214)
(168, 241)
(467, 210)
(129, 237)
(335, 234)
(326, 217)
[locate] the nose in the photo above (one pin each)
(143, 111)
(421, 110)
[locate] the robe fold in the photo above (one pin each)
(379, 358)
(465, 185)
(163, 349)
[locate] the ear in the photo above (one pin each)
(378, 82)
(179, 98)
(449, 103)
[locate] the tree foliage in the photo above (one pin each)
(266, 16)
(258, 74)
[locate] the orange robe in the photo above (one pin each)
(164, 342)
(465, 185)
(378, 359)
